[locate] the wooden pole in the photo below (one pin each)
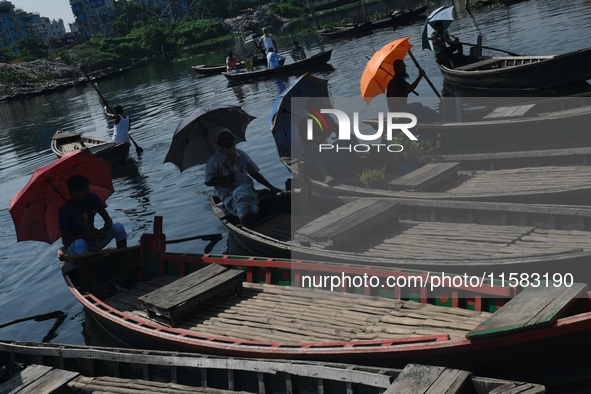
(40, 317)
(426, 77)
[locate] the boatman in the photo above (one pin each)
(267, 42)
(121, 124)
(444, 54)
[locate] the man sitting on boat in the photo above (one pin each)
(121, 124)
(445, 54)
(76, 220)
(231, 62)
(297, 52)
(274, 59)
(231, 171)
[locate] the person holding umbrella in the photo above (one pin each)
(444, 53)
(398, 90)
(231, 172)
(76, 220)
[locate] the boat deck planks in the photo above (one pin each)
(424, 177)
(347, 222)
(286, 314)
(424, 379)
(534, 307)
(37, 379)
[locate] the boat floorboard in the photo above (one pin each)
(286, 314)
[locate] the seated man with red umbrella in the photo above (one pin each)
(76, 220)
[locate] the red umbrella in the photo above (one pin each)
(35, 209)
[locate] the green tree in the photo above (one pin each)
(129, 13)
(31, 48)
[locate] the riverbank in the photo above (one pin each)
(28, 79)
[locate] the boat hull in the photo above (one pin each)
(317, 60)
(549, 71)
(63, 143)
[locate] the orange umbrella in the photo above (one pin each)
(380, 68)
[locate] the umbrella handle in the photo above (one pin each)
(426, 77)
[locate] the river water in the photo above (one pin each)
(159, 97)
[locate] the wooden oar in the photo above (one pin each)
(426, 77)
(482, 46)
(138, 148)
(69, 257)
(40, 317)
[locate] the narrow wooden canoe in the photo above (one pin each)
(118, 370)
(398, 19)
(317, 60)
(63, 143)
(437, 235)
(523, 72)
(275, 315)
(355, 30)
(204, 69)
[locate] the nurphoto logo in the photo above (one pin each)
(393, 123)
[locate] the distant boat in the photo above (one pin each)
(220, 68)
(524, 72)
(352, 30)
(317, 60)
(398, 19)
(64, 142)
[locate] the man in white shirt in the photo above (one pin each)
(274, 59)
(267, 42)
(121, 124)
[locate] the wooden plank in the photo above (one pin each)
(171, 290)
(37, 379)
(481, 65)
(174, 300)
(532, 308)
(514, 111)
(424, 379)
(348, 222)
(424, 177)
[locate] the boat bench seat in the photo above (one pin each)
(38, 379)
(424, 177)
(481, 65)
(533, 308)
(348, 222)
(514, 111)
(423, 379)
(178, 298)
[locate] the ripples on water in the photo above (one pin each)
(157, 98)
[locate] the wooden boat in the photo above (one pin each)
(119, 370)
(216, 69)
(436, 235)
(245, 306)
(317, 60)
(64, 142)
(398, 19)
(518, 125)
(522, 72)
(454, 180)
(355, 30)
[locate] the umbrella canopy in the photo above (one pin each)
(282, 115)
(379, 71)
(444, 14)
(35, 209)
(194, 140)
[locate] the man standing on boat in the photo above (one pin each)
(121, 124)
(231, 172)
(267, 42)
(444, 54)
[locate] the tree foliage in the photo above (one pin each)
(31, 48)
